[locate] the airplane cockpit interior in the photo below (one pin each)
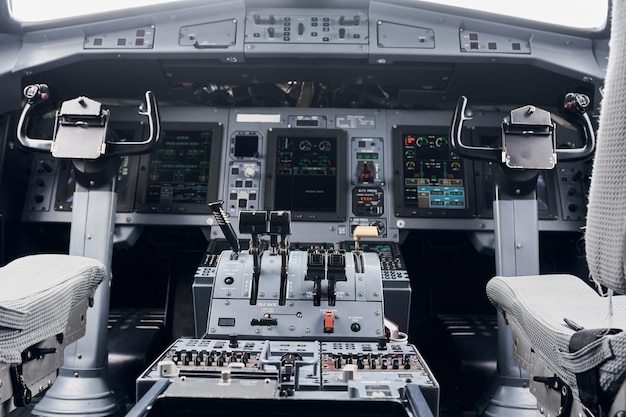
(330, 208)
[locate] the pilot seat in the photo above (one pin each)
(43, 303)
(567, 333)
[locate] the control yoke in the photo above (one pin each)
(527, 136)
(81, 128)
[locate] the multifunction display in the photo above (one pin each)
(433, 174)
(307, 172)
(433, 177)
(182, 173)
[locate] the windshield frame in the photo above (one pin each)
(7, 20)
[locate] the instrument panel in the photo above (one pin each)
(335, 169)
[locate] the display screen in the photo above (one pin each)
(431, 180)
(246, 146)
(182, 173)
(307, 171)
(433, 174)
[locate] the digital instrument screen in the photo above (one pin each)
(181, 175)
(307, 173)
(433, 179)
(246, 146)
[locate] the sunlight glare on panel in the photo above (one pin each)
(582, 14)
(45, 10)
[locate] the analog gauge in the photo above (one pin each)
(441, 141)
(323, 162)
(305, 145)
(422, 141)
(324, 145)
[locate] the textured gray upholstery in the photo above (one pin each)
(606, 218)
(539, 304)
(37, 294)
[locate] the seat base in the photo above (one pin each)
(536, 308)
(41, 372)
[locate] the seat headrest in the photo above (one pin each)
(606, 216)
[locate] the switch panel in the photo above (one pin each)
(138, 38)
(573, 188)
(39, 196)
(244, 172)
(313, 26)
(367, 161)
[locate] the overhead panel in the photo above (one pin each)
(480, 42)
(136, 38)
(308, 26)
(394, 35)
(220, 34)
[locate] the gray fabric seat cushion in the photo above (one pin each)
(538, 305)
(37, 294)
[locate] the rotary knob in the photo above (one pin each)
(249, 172)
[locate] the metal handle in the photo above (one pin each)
(577, 104)
(149, 109)
(471, 152)
(36, 94)
(574, 102)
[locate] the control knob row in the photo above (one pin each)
(213, 358)
(372, 361)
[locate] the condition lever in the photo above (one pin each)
(280, 224)
(255, 223)
(226, 226)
